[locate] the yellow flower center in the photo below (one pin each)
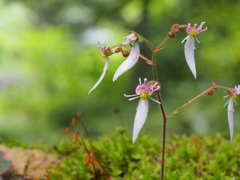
(235, 96)
(193, 33)
(144, 95)
(104, 56)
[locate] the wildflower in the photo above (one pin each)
(143, 91)
(189, 46)
(132, 58)
(233, 96)
(105, 53)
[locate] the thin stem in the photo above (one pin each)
(164, 130)
(164, 118)
(195, 98)
(161, 44)
(141, 38)
(146, 59)
(62, 172)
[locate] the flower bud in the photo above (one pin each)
(210, 92)
(125, 53)
(67, 130)
(175, 26)
(107, 52)
(74, 121)
(79, 114)
(176, 31)
(171, 34)
(74, 137)
(213, 84)
(118, 50)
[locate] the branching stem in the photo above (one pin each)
(195, 98)
(164, 118)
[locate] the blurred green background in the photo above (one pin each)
(49, 60)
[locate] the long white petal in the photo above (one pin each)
(230, 117)
(140, 117)
(129, 62)
(102, 76)
(189, 54)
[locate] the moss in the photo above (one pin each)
(187, 157)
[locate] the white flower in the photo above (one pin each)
(105, 53)
(233, 96)
(143, 91)
(189, 46)
(132, 58)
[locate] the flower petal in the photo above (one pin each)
(102, 76)
(129, 62)
(230, 117)
(140, 117)
(189, 54)
(131, 37)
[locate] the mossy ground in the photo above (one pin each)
(115, 157)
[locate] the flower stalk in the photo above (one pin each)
(164, 118)
(195, 98)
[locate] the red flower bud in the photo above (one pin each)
(125, 53)
(171, 34)
(118, 50)
(74, 137)
(210, 92)
(176, 31)
(74, 121)
(79, 114)
(67, 130)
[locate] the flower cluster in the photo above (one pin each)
(126, 65)
(147, 88)
(233, 94)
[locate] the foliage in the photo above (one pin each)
(48, 51)
(188, 158)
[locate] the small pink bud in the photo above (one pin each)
(176, 31)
